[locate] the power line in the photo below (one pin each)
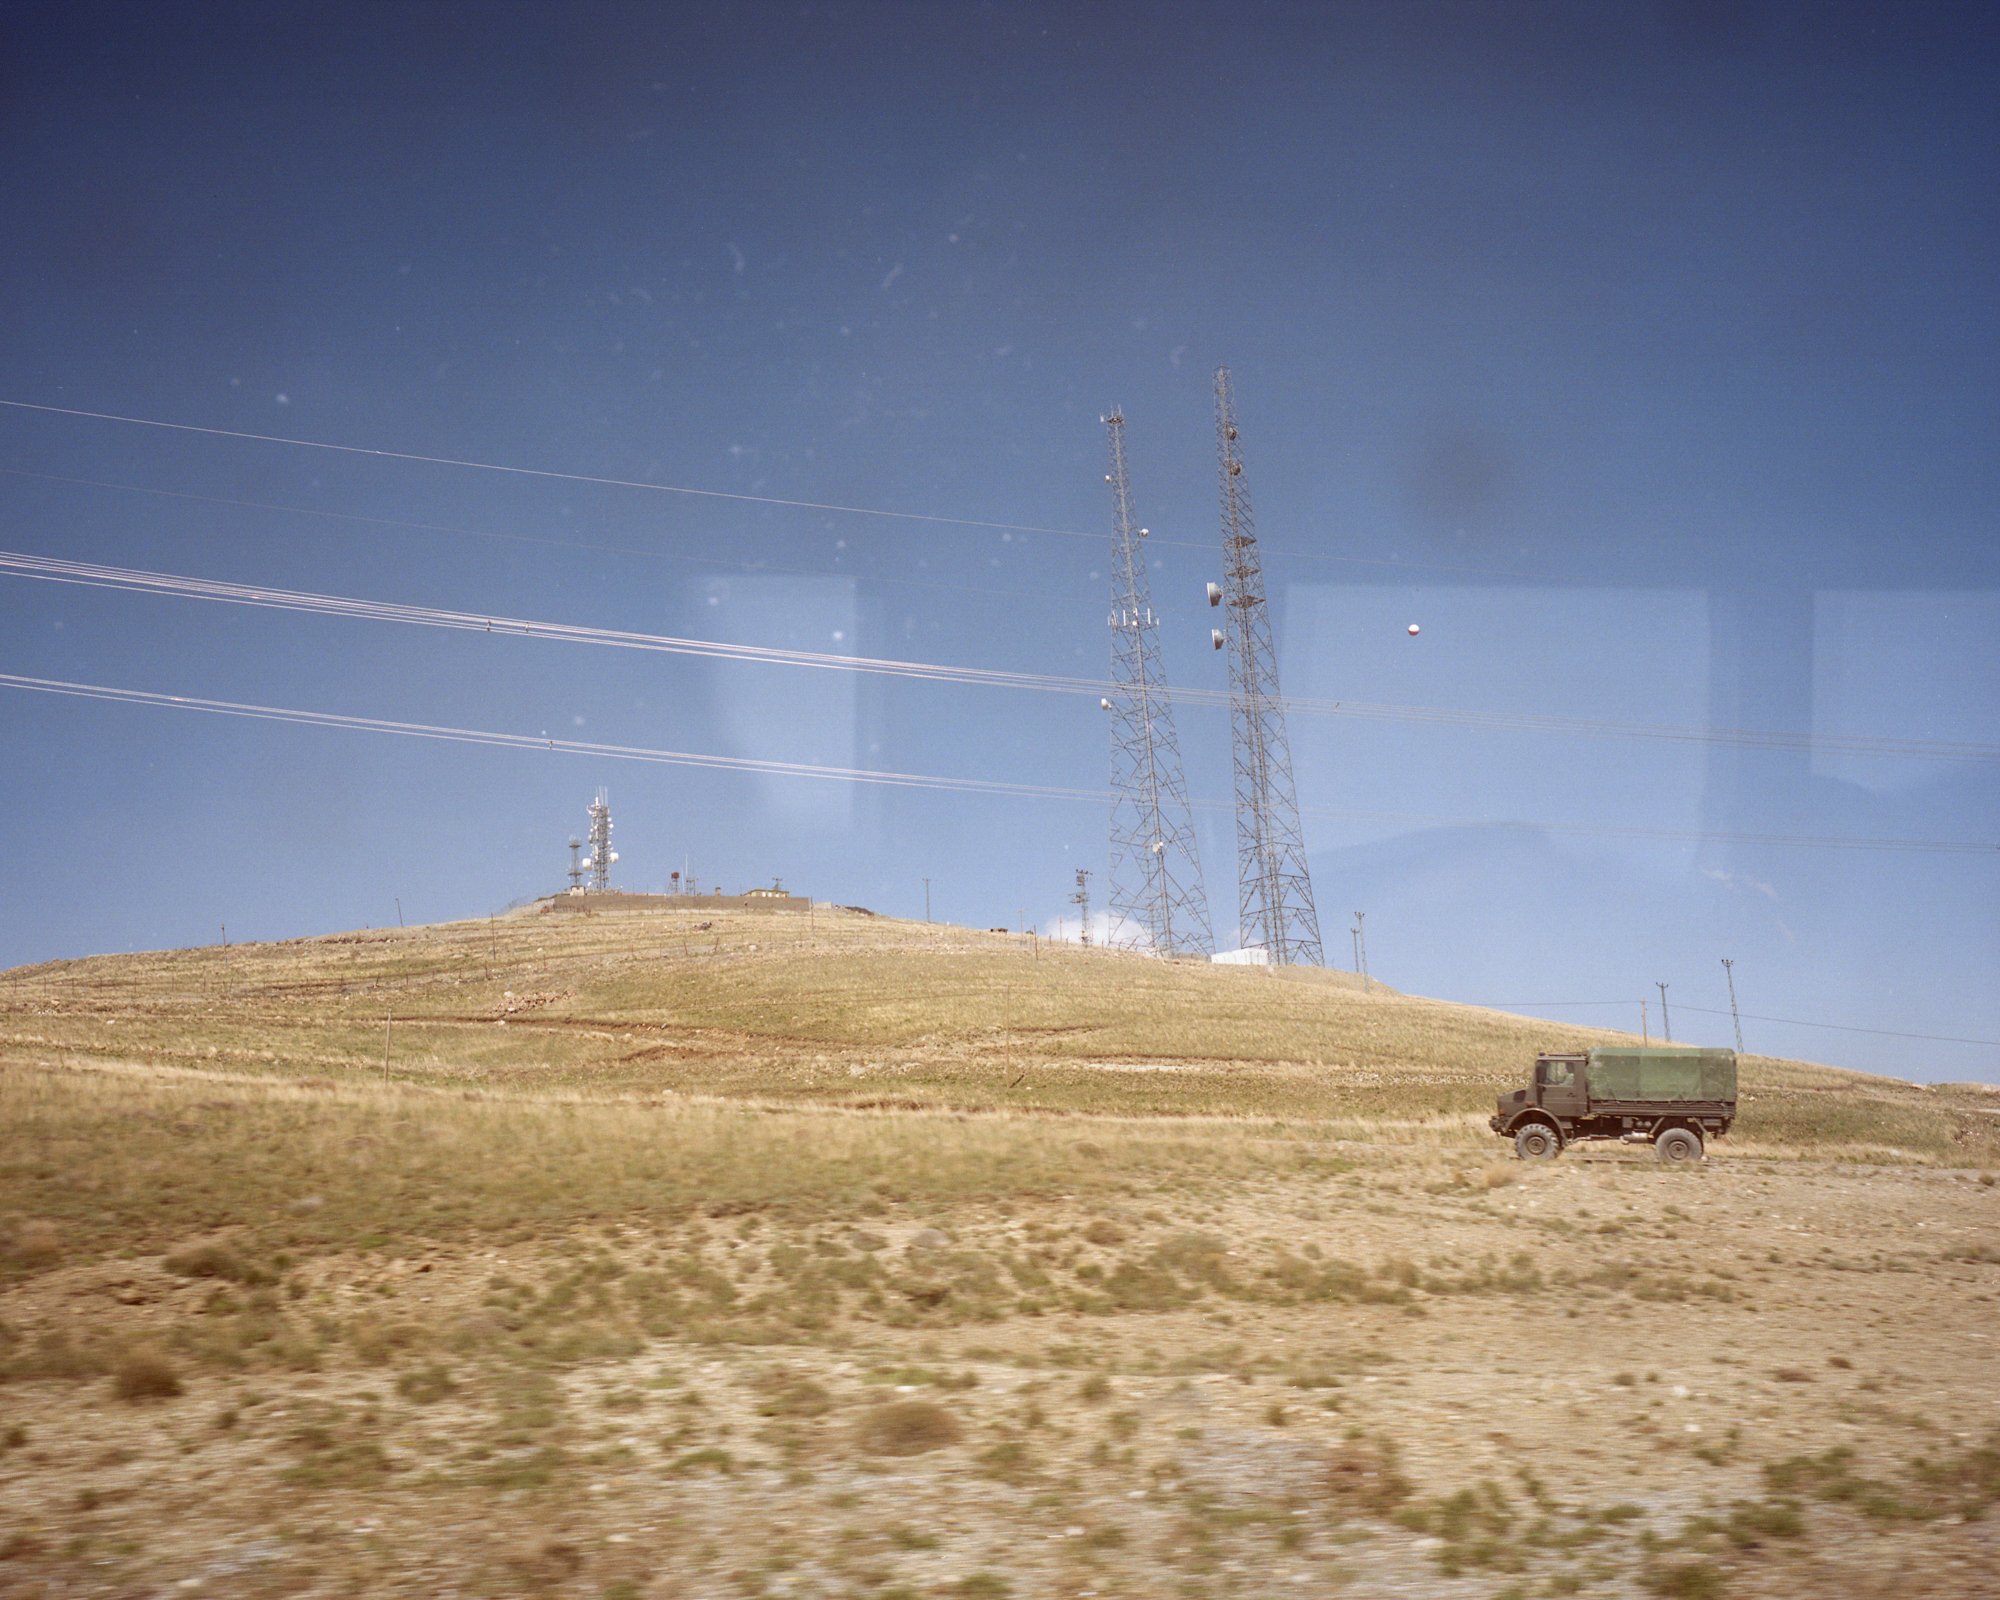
(98, 575)
(869, 775)
(544, 742)
(722, 494)
(704, 560)
(1710, 1011)
(543, 472)
(1845, 1027)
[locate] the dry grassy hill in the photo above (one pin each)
(557, 1254)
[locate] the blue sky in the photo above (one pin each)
(1647, 356)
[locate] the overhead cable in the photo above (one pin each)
(723, 494)
(706, 560)
(1710, 1011)
(917, 780)
(97, 575)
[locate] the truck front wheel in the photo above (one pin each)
(1537, 1142)
(1678, 1146)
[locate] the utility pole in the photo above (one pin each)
(225, 934)
(1274, 889)
(399, 911)
(388, 1024)
(1354, 938)
(1156, 889)
(1645, 1035)
(1729, 972)
(1361, 949)
(1666, 1026)
(1081, 900)
(927, 899)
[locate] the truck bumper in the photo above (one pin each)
(1496, 1124)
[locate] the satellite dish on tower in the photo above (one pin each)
(1215, 637)
(1414, 630)
(1215, 594)
(1103, 704)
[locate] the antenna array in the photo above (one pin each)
(1275, 909)
(601, 854)
(1156, 893)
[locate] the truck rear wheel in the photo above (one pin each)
(1537, 1142)
(1678, 1146)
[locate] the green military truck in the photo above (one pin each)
(1668, 1096)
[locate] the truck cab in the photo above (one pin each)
(1559, 1084)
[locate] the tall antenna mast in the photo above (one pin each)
(1081, 900)
(1156, 893)
(575, 864)
(1729, 972)
(601, 854)
(1275, 899)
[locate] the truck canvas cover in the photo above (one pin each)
(1633, 1073)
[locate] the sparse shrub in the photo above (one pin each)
(33, 1244)
(791, 1394)
(1104, 1232)
(1009, 1461)
(217, 1261)
(907, 1428)
(548, 1563)
(1683, 1580)
(145, 1375)
(1792, 1375)
(1753, 1522)
(425, 1385)
(984, 1586)
(708, 1459)
(1094, 1388)
(1362, 1476)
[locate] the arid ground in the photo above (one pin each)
(653, 1254)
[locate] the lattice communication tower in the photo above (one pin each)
(1275, 910)
(601, 854)
(575, 864)
(1157, 901)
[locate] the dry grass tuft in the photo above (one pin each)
(33, 1244)
(1362, 1477)
(145, 1375)
(216, 1261)
(907, 1428)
